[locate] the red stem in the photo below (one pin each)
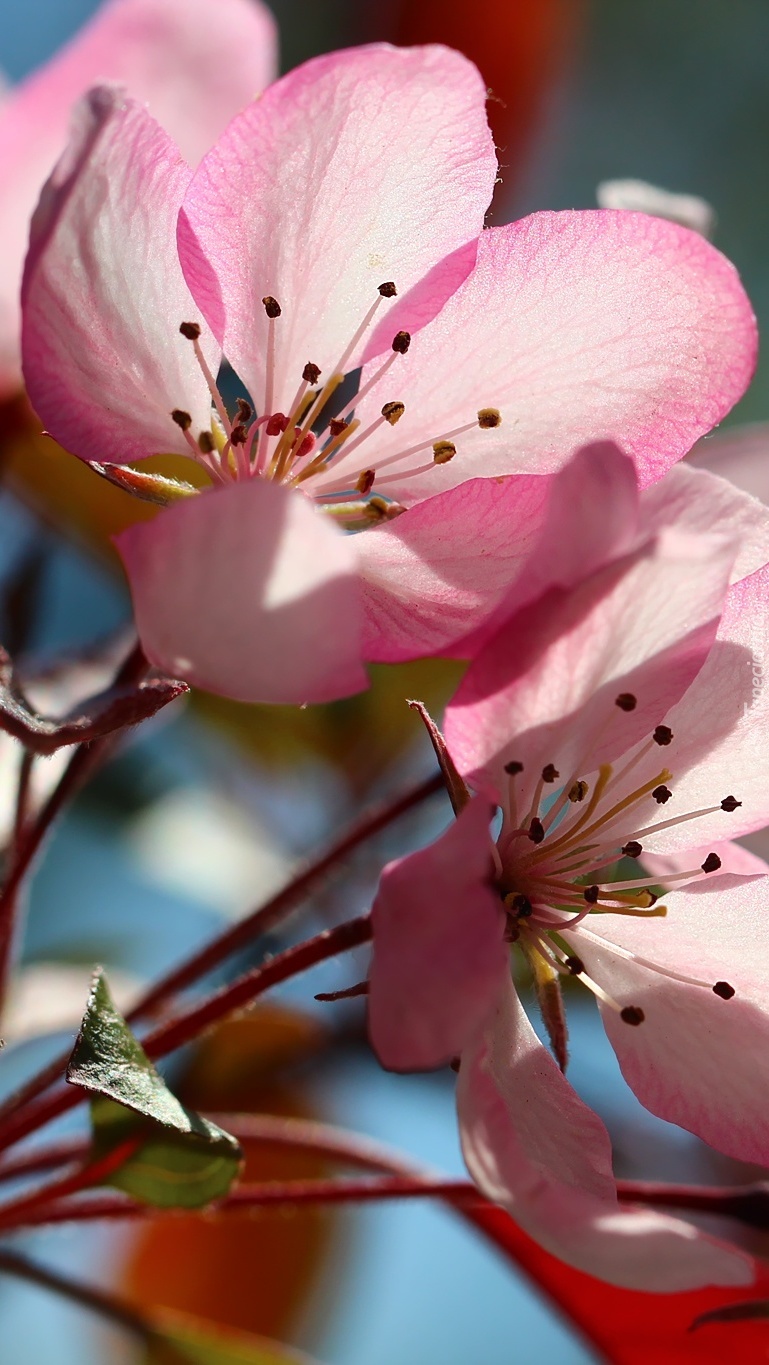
(17, 1212)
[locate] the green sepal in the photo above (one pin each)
(182, 1160)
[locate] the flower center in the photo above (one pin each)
(298, 446)
(556, 863)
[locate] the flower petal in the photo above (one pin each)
(195, 65)
(578, 327)
(696, 1059)
(358, 168)
(249, 592)
(103, 292)
(486, 548)
(544, 689)
(697, 501)
(533, 1146)
(739, 454)
(734, 858)
(439, 954)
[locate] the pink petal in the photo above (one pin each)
(249, 592)
(104, 296)
(359, 168)
(544, 690)
(196, 64)
(577, 327)
(482, 550)
(696, 1059)
(533, 1146)
(734, 858)
(739, 454)
(700, 502)
(439, 955)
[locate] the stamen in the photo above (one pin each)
(191, 330)
(513, 767)
(729, 803)
(488, 418)
(626, 701)
(443, 451)
(656, 967)
(662, 735)
(550, 773)
(182, 419)
(662, 794)
(578, 791)
(631, 1014)
(536, 831)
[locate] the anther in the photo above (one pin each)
(578, 791)
(238, 435)
(365, 482)
(311, 373)
(443, 451)
(550, 773)
(271, 306)
(575, 965)
(190, 330)
(633, 849)
(521, 906)
(513, 767)
(662, 735)
(662, 794)
(244, 410)
(401, 342)
(392, 412)
(724, 990)
(536, 831)
(626, 701)
(182, 419)
(631, 1014)
(276, 424)
(591, 894)
(337, 425)
(711, 863)
(206, 443)
(388, 290)
(729, 803)
(488, 418)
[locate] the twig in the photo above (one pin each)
(96, 1300)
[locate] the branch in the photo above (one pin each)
(96, 1300)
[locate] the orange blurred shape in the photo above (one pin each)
(252, 1271)
(518, 45)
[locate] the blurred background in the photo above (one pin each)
(205, 813)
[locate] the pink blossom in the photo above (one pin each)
(619, 719)
(196, 65)
(337, 226)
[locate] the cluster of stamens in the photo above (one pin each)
(554, 861)
(295, 446)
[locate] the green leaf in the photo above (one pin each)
(734, 1312)
(184, 1340)
(183, 1160)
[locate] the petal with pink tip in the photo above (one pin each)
(545, 689)
(194, 64)
(577, 327)
(486, 548)
(533, 1146)
(104, 295)
(696, 1059)
(359, 168)
(439, 955)
(249, 592)
(697, 501)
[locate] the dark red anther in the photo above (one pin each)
(337, 425)
(401, 342)
(724, 990)
(591, 894)
(238, 435)
(626, 701)
(662, 794)
(575, 965)
(662, 735)
(190, 330)
(388, 290)
(307, 446)
(311, 373)
(181, 418)
(513, 767)
(244, 410)
(711, 863)
(550, 773)
(633, 849)
(730, 803)
(632, 1014)
(536, 831)
(271, 306)
(276, 424)
(521, 907)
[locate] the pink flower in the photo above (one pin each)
(196, 64)
(620, 719)
(336, 227)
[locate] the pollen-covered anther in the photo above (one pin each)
(550, 773)
(443, 451)
(724, 990)
(181, 418)
(388, 290)
(632, 1014)
(591, 894)
(578, 791)
(365, 482)
(519, 905)
(245, 411)
(206, 444)
(311, 373)
(730, 803)
(392, 412)
(238, 435)
(513, 767)
(575, 965)
(711, 863)
(276, 424)
(401, 342)
(536, 831)
(662, 735)
(646, 898)
(662, 794)
(271, 306)
(337, 425)
(488, 418)
(632, 849)
(190, 330)
(626, 701)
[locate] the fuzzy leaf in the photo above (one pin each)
(182, 1160)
